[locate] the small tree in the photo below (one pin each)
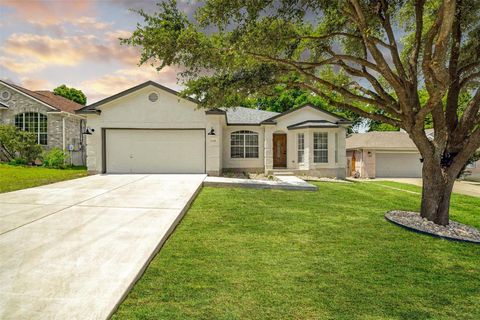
(347, 52)
(71, 93)
(19, 145)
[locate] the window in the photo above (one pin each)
(320, 147)
(301, 147)
(244, 144)
(33, 122)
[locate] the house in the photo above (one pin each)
(51, 117)
(150, 129)
(383, 154)
(473, 171)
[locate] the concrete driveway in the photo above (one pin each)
(72, 250)
(468, 188)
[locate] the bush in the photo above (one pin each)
(55, 158)
(18, 146)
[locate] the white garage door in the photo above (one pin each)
(154, 151)
(398, 165)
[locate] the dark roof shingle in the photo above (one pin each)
(241, 115)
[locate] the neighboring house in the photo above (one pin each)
(52, 118)
(383, 154)
(150, 129)
(473, 171)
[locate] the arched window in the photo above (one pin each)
(244, 144)
(33, 122)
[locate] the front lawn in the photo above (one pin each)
(18, 177)
(271, 254)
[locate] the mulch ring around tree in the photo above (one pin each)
(453, 231)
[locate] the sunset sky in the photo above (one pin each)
(46, 43)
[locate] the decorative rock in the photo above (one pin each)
(453, 231)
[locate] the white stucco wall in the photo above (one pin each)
(135, 110)
(235, 163)
(301, 115)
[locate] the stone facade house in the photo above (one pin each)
(51, 117)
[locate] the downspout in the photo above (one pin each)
(63, 134)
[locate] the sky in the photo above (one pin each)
(47, 43)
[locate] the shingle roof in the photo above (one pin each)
(396, 140)
(241, 115)
(57, 102)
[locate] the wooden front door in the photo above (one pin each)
(279, 150)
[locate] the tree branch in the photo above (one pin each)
(346, 106)
(344, 92)
(413, 61)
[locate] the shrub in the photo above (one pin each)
(55, 158)
(17, 145)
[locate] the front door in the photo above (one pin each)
(279, 150)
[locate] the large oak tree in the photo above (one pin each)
(372, 57)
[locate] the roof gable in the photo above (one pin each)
(93, 107)
(3, 106)
(397, 140)
(47, 98)
(307, 105)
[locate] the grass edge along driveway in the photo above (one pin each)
(19, 177)
(272, 254)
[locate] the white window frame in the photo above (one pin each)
(301, 148)
(320, 149)
(39, 130)
(245, 144)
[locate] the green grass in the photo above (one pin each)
(18, 177)
(271, 254)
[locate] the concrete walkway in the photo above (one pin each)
(468, 188)
(285, 183)
(72, 250)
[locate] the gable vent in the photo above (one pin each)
(153, 97)
(6, 95)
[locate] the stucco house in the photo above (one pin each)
(150, 129)
(51, 117)
(383, 154)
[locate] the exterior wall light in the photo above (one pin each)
(88, 131)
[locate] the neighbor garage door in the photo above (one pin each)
(154, 151)
(398, 165)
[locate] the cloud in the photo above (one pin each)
(88, 23)
(36, 84)
(70, 50)
(123, 79)
(44, 49)
(20, 66)
(48, 12)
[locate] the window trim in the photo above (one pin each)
(245, 145)
(301, 151)
(40, 117)
(325, 149)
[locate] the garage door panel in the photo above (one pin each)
(155, 151)
(398, 165)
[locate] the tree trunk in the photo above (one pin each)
(436, 192)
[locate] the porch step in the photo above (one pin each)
(283, 173)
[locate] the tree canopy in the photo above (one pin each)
(372, 58)
(71, 93)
